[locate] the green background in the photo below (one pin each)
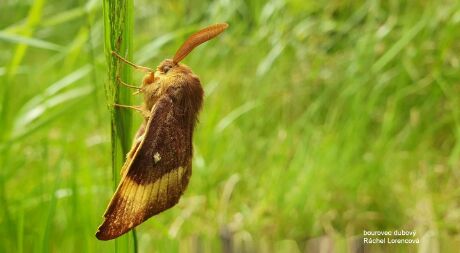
(320, 119)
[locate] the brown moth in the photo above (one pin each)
(158, 166)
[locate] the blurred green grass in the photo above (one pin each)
(319, 119)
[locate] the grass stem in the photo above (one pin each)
(118, 31)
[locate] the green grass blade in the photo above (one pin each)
(118, 31)
(29, 41)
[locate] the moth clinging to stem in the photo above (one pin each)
(158, 166)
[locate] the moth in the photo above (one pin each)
(158, 166)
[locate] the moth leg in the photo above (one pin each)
(134, 107)
(138, 67)
(139, 89)
(139, 108)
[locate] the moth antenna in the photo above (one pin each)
(197, 39)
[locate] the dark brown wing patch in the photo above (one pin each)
(158, 173)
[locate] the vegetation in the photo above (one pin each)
(319, 119)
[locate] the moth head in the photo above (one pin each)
(171, 69)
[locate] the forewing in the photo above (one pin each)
(138, 138)
(157, 175)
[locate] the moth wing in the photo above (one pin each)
(135, 146)
(158, 174)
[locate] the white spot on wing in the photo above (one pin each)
(157, 157)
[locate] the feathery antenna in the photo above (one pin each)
(197, 39)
